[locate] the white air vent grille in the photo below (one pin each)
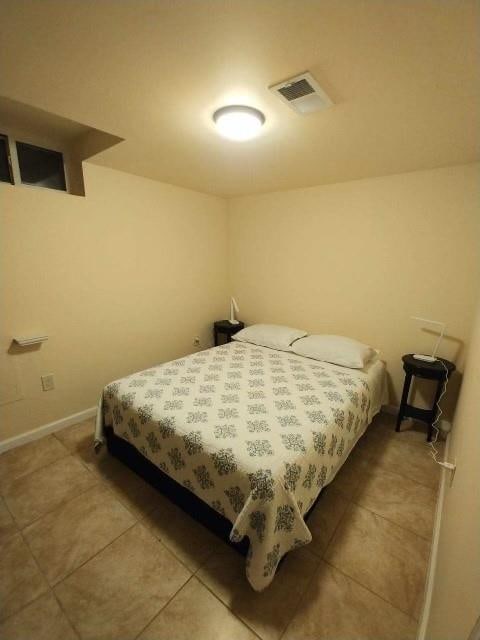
(295, 90)
(302, 93)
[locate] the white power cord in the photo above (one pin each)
(434, 453)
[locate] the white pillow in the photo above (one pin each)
(335, 349)
(274, 336)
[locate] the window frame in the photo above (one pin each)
(6, 141)
(52, 152)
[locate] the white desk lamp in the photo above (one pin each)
(433, 357)
(233, 308)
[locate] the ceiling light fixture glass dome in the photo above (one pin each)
(238, 122)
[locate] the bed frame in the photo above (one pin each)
(182, 497)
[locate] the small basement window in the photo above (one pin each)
(41, 167)
(6, 174)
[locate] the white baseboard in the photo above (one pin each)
(391, 409)
(51, 427)
(422, 628)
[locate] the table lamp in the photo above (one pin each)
(433, 357)
(233, 308)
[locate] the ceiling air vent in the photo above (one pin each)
(302, 93)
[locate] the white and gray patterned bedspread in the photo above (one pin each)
(255, 433)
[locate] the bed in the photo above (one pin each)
(252, 432)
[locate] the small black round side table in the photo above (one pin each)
(226, 328)
(430, 371)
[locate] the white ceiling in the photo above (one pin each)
(404, 76)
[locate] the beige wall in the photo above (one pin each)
(455, 605)
(119, 280)
(360, 258)
(127, 276)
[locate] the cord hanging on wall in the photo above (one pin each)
(451, 466)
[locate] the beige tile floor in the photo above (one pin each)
(88, 550)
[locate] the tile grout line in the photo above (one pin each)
(93, 556)
(162, 608)
(315, 557)
(193, 574)
(351, 503)
(203, 564)
(49, 590)
(324, 559)
(68, 452)
(409, 615)
(108, 485)
(53, 587)
(104, 483)
(46, 436)
(77, 633)
(379, 515)
(182, 562)
(72, 426)
(357, 493)
(43, 466)
(391, 436)
(342, 517)
(320, 558)
(375, 458)
(403, 475)
(20, 533)
(227, 606)
(17, 528)
(49, 511)
(11, 615)
(172, 552)
(307, 586)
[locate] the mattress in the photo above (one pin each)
(254, 432)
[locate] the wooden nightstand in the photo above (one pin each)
(429, 371)
(226, 328)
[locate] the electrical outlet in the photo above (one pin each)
(196, 341)
(48, 382)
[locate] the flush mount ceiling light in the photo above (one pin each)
(238, 122)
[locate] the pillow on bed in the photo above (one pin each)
(335, 349)
(274, 336)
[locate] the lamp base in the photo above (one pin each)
(419, 356)
(233, 321)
